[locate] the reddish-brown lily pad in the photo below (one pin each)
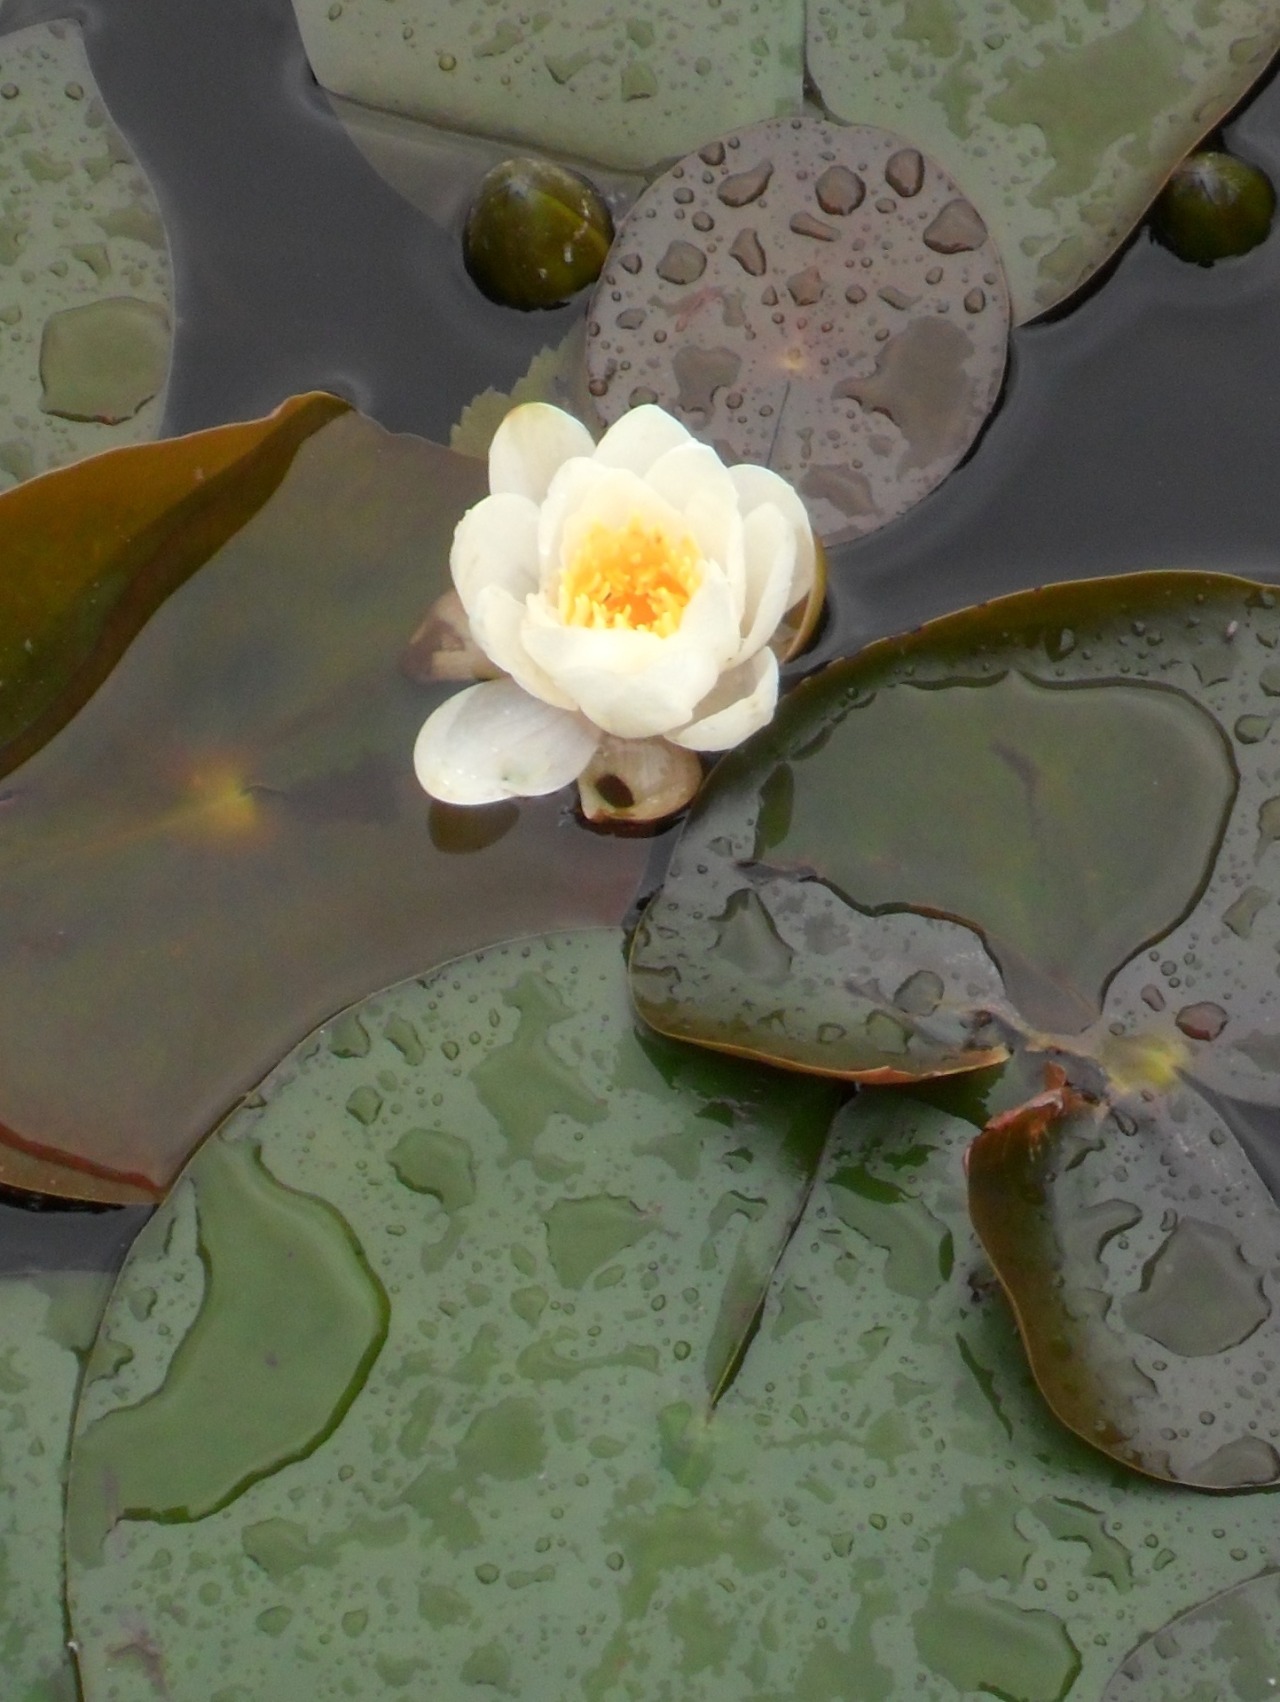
(227, 843)
(90, 553)
(818, 298)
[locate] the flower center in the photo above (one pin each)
(638, 577)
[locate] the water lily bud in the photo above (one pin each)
(536, 234)
(1214, 206)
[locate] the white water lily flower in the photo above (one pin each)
(626, 588)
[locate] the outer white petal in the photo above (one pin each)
(756, 486)
(631, 684)
(494, 741)
(743, 701)
(770, 554)
(639, 437)
(497, 624)
(495, 543)
(530, 446)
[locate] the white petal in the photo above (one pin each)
(497, 624)
(639, 437)
(631, 684)
(696, 482)
(758, 485)
(529, 447)
(770, 553)
(494, 741)
(496, 543)
(743, 701)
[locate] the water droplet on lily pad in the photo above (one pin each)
(854, 340)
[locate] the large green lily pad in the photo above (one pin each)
(227, 843)
(86, 284)
(622, 85)
(45, 1323)
(1060, 120)
(1043, 826)
(577, 1467)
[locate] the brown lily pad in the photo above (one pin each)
(817, 298)
(91, 553)
(228, 843)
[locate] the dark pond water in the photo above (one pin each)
(1139, 429)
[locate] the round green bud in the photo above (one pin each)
(536, 234)
(1213, 206)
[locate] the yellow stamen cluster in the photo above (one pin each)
(638, 577)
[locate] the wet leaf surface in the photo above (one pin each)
(531, 1489)
(1138, 1245)
(228, 843)
(45, 1324)
(1227, 1649)
(91, 554)
(1061, 121)
(86, 286)
(817, 298)
(1049, 771)
(1051, 814)
(625, 85)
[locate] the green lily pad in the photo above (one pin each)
(817, 298)
(228, 842)
(622, 85)
(45, 1322)
(1138, 1245)
(86, 284)
(577, 1463)
(1070, 774)
(1225, 1650)
(1046, 823)
(1060, 121)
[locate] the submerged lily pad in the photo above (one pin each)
(45, 1322)
(625, 85)
(228, 842)
(576, 1459)
(86, 285)
(1061, 121)
(819, 299)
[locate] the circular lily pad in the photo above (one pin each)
(574, 1457)
(1228, 1648)
(817, 298)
